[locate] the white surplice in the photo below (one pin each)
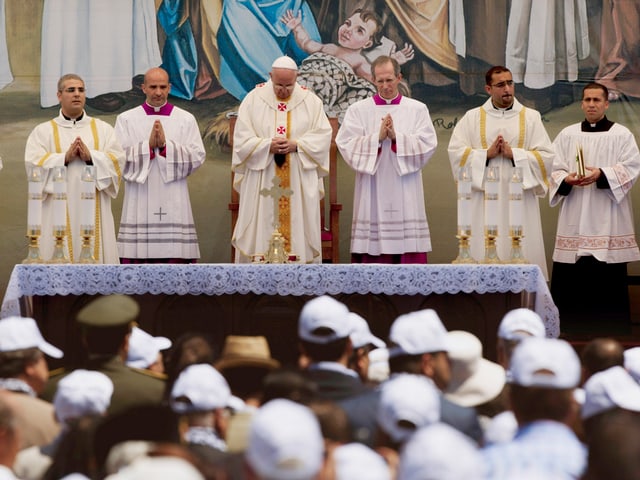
(46, 146)
(522, 128)
(261, 117)
(594, 221)
(389, 214)
(157, 221)
(107, 43)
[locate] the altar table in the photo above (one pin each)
(257, 299)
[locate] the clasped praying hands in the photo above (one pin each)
(500, 147)
(157, 138)
(77, 151)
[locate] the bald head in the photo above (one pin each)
(156, 86)
(600, 354)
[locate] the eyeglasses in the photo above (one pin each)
(503, 84)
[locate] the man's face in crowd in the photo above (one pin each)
(156, 87)
(386, 80)
(594, 104)
(72, 98)
(501, 89)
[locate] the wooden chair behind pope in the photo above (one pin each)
(330, 230)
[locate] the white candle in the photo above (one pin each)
(88, 198)
(464, 200)
(491, 194)
(515, 200)
(59, 204)
(34, 203)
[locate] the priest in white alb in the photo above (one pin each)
(281, 131)
(388, 139)
(505, 134)
(74, 139)
(595, 238)
(163, 147)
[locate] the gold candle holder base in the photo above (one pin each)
(276, 252)
(464, 251)
(516, 250)
(490, 250)
(58, 250)
(33, 254)
(86, 256)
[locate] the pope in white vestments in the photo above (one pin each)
(157, 221)
(280, 122)
(387, 140)
(503, 121)
(51, 144)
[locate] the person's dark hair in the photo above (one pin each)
(383, 59)
(14, 363)
(536, 403)
(333, 420)
(190, 348)
(151, 423)
(105, 340)
(488, 77)
(245, 381)
(614, 450)
(406, 364)
(75, 452)
(325, 352)
(288, 384)
(365, 16)
(596, 86)
(601, 354)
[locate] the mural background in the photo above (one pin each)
(212, 47)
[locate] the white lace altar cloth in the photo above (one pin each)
(287, 279)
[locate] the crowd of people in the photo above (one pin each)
(422, 404)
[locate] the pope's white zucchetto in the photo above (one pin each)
(285, 62)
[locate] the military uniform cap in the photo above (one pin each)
(109, 311)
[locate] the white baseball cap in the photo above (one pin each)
(324, 312)
(199, 388)
(144, 348)
(418, 332)
(474, 379)
(82, 392)
(544, 362)
(438, 452)
(285, 442)
(611, 388)
(632, 362)
(407, 398)
(18, 333)
(158, 468)
(520, 323)
(361, 335)
(357, 461)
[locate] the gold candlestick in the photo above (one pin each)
(490, 250)
(86, 255)
(517, 256)
(33, 254)
(58, 248)
(464, 251)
